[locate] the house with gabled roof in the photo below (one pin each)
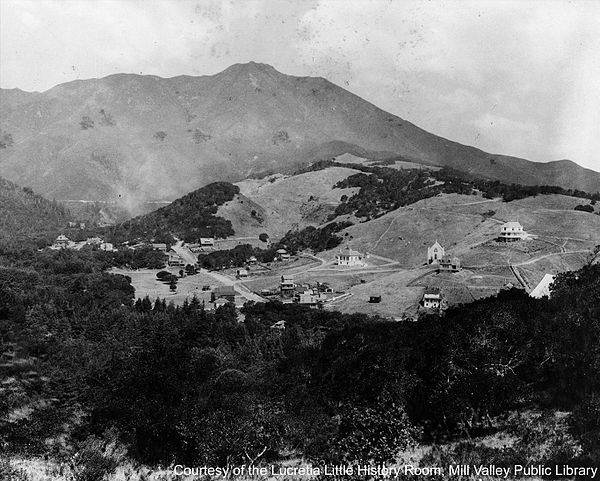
(435, 253)
(432, 298)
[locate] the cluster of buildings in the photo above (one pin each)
(63, 242)
(306, 294)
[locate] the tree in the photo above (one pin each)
(173, 284)
(86, 123)
(160, 135)
(263, 237)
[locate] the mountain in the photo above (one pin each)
(132, 138)
(23, 213)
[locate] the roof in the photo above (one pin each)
(288, 278)
(432, 290)
(436, 243)
(224, 291)
(543, 288)
(281, 251)
(349, 252)
(512, 224)
(62, 237)
(221, 302)
(252, 258)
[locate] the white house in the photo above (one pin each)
(511, 231)
(543, 288)
(432, 298)
(107, 246)
(435, 253)
(61, 242)
(349, 257)
(282, 255)
(242, 273)
(207, 242)
(287, 286)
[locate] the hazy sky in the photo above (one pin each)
(513, 77)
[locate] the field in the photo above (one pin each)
(145, 284)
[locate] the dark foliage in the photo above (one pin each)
(186, 385)
(189, 217)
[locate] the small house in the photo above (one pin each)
(511, 232)
(252, 261)
(435, 253)
(449, 264)
(107, 247)
(349, 257)
(207, 242)
(61, 242)
(242, 273)
(375, 299)
(223, 292)
(175, 260)
(282, 254)
(432, 298)
(221, 302)
(287, 286)
(160, 247)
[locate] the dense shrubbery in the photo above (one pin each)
(585, 208)
(236, 257)
(317, 239)
(183, 384)
(189, 217)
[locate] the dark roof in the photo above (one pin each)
(224, 291)
(432, 290)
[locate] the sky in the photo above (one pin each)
(510, 77)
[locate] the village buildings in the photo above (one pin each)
(449, 264)
(223, 292)
(432, 298)
(349, 257)
(207, 242)
(287, 286)
(435, 253)
(282, 255)
(511, 232)
(175, 260)
(61, 242)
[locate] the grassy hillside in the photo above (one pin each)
(133, 138)
(282, 203)
(24, 213)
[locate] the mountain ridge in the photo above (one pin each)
(130, 138)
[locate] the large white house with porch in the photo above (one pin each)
(511, 231)
(349, 257)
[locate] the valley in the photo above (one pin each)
(394, 245)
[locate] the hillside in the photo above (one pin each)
(282, 203)
(23, 213)
(133, 138)
(189, 218)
